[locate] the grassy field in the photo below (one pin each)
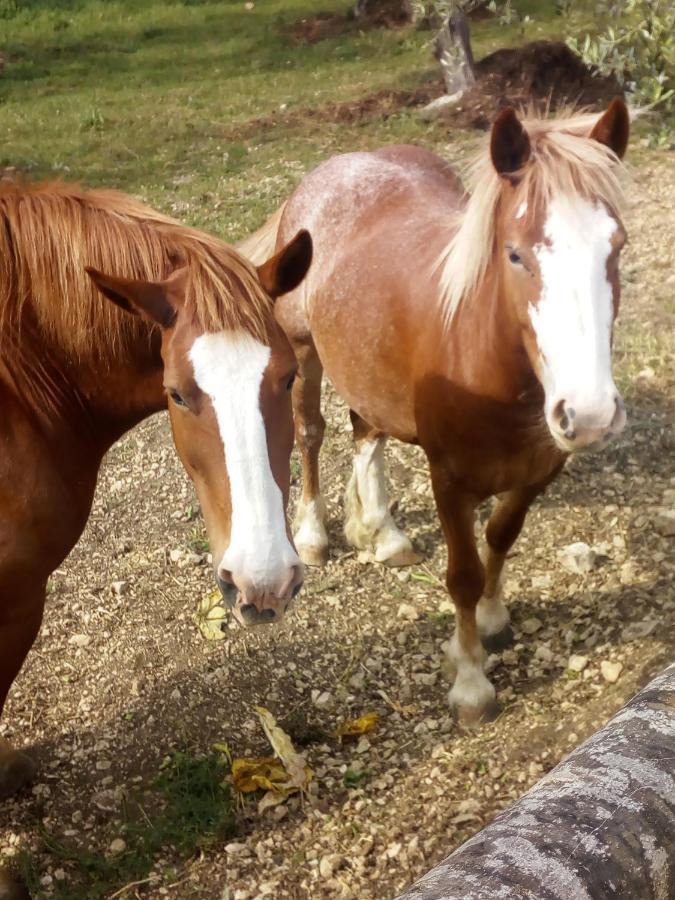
(148, 96)
(206, 110)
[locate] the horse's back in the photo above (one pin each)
(379, 221)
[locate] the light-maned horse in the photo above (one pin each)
(77, 371)
(477, 325)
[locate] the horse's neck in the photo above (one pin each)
(87, 402)
(488, 339)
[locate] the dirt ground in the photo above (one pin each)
(121, 675)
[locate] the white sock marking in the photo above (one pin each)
(368, 517)
(471, 688)
(309, 524)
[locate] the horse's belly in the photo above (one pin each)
(369, 383)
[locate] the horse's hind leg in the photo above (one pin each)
(21, 604)
(311, 539)
(504, 526)
(368, 521)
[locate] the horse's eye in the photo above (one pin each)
(515, 258)
(289, 383)
(177, 399)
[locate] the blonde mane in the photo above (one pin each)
(563, 160)
(50, 232)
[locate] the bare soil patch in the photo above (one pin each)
(102, 712)
(542, 74)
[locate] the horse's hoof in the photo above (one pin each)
(312, 556)
(10, 888)
(407, 557)
(16, 771)
(495, 643)
(473, 717)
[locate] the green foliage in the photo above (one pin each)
(637, 46)
(354, 779)
(195, 809)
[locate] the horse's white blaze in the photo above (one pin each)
(368, 517)
(573, 318)
(229, 368)
(522, 209)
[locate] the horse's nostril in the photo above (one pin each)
(267, 615)
(297, 589)
(228, 590)
(249, 613)
(559, 411)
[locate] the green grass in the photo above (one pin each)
(188, 808)
(147, 96)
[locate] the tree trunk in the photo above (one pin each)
(383, 12)
(452, 49)
(600, 825)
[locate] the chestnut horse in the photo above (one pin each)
(477, 326)
(77, 371)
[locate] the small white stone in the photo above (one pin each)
(79, 640)
(544, 653)
(325, 700)
(577, 663)
(236, 848)
(326, 866)
(578, 558)
(406, 611)
(175, 555)
(531, 626)
(611, 670)
(120, 588)
(118, 846)
(541, 582)
(426, 678)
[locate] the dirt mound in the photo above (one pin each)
(539, 74)
(543, 70)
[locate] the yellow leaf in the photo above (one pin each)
(210, 616)
(295, 763)
(355, 727)
(261, 773)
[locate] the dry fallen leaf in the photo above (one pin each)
(280, 775)
(265, 773)
(210, 616)
(295, 763)
(356, 727)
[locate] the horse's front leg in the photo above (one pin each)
(22, 598)
(472, 696)
(504, 526)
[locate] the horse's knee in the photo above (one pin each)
(466, 585)
(309, 435)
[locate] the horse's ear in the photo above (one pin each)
(150, 299)
(613, 127)
(509, 143)
(284, 271)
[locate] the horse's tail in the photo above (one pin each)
(261, 244)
